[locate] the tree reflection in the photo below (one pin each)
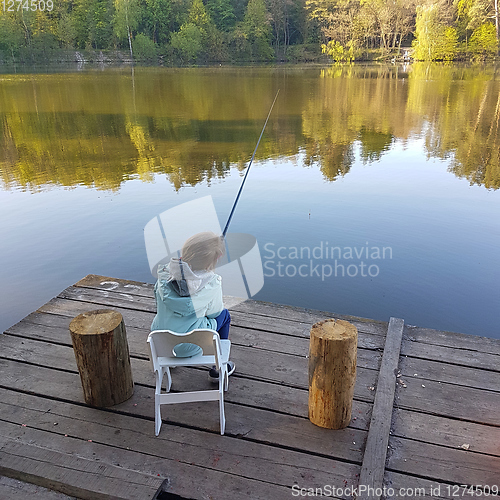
(194, 125)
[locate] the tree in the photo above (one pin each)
(187, 42)
(434, 39)
(93, 23)
(157, 18)
(190, 40)
(12, 34)
(392, 20)
(336, 18)
(126, 19)
(280, 11)
(144, 48)
(483, 11)
(484, 41)
(338, 52)
(257, 30)
(222, 14)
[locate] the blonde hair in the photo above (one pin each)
(203, 250)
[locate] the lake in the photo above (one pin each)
(374, 191)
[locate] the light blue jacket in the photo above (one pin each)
(186, 300)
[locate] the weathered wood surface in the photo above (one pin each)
(270, 444)
(14, 489)
(373, 468)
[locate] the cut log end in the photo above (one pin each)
(96, 322)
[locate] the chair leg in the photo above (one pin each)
(169, 379)
(225, 377)
(221, 399)
(157, 415)
(222, 416)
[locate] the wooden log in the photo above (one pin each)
(102, 356)
(332, 372)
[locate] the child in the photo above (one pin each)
(189, 294)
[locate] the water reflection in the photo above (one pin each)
(102, 128)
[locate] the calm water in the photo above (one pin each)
(374, 191)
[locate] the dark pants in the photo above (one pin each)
(223, 324)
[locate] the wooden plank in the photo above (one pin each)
(294, 329)
(308, 316)
(116, 284)
(449, 400)
(291, 400)
(373, 468)
(255, 308)
(55, 328)
(256, 424)
(425, 369)
(416, 487)
(446, 432)
(13, 489)
(96, 471)
(114, 299)
(458, 356)
(252, 461)
(442, 464)
(276, 368)
(133, 287)
(67, 472)
(109, 298)
(72, 308)
(452, 339)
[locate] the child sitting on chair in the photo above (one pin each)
(189, 294)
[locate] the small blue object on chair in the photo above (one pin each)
(186, 350)
(202, 347)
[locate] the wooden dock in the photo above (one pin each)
(426, 411)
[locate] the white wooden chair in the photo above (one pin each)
(167, 347)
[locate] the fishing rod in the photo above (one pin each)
(248, 170)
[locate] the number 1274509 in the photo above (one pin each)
(27, 5)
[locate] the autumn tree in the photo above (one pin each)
(435, 40)
(392, 20)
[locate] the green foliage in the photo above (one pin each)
(338, 52)
(12, 34)
(126, 18)
(144, 48)
(157, 16)
(93, 23)
(188, 42)
(483, 42)
(66, 32)
(256, 30)
(434, 40)
(198, 15)
(222, 13)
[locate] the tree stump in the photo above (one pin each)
(332, 372)
(101, 352)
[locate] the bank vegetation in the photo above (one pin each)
(233, 31)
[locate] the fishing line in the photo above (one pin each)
(248, 169)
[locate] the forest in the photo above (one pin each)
(232, 31)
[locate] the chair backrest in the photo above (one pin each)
(162, 343)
